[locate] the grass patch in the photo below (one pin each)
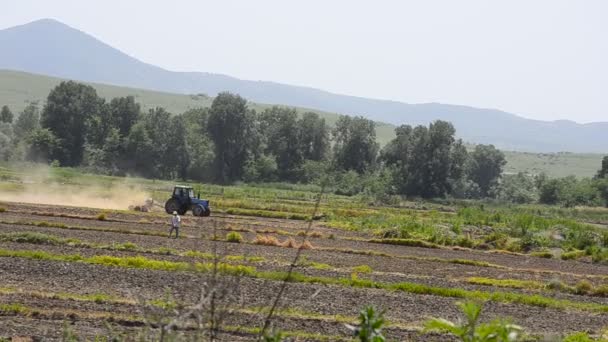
(13, 309)
(406, 242)
(513, 283)
(542, 254)
(144, 263)
(362, 269)
(572, 255)
(234, 237)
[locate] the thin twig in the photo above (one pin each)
(283, 287)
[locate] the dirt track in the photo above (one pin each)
(407, 311)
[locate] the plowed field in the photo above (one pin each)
(70, 279)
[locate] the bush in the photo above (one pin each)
(234, 237)
(583, 287)
(101, 217)
(2, 209)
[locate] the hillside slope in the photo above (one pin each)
(19, 88)
(51, 48)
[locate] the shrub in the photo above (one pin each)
(2, 209)
(601, 291)
(234, 237)
(583, 287)
(101, 217)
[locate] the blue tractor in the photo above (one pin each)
(183, 199)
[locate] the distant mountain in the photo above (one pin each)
(51, 48)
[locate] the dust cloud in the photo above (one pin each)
(38, 186)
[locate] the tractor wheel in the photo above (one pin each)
(198, 210)
(172, 205)
(207, 212)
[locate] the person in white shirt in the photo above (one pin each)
(175, 223)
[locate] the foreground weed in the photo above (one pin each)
(498, 330)
(370, 325)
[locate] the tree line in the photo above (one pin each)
(230, 142)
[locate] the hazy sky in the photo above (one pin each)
(543, 59)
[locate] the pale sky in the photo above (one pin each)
(542, 59)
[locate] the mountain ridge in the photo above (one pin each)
(50, 47)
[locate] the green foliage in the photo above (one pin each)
(232, 128)
(370, 325)
(578, 337)
(27, 122)
(73, 112)
(355, 145)
(519, 188)
(426, 162)
(234, 237)
(485, 167)
(362, 269)
(6, 115)
(498, 330)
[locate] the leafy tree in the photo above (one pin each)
(603, 172)
(602, 187)
(6, 147)
(124, 113)
(427, 162)
(355, 145)
(231, 127)
(519, 188)
(486, 167)
(140, 149)
(27, 122)
(42, 144)
(6, 115)
(281, 132)
(569, 191)
(71, 109)
(199, 145)
(314, 137)
(176, 153)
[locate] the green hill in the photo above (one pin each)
(17, 89)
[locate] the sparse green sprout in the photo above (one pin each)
(362, 269)
(498, 330)
(370, 325)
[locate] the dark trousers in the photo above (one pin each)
(176, 231)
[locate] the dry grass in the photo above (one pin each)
(269, 240)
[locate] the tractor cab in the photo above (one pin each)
(183, 199)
